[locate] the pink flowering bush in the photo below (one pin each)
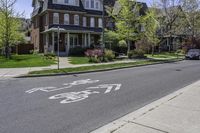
(95, 55)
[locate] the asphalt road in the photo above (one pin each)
(85, 105)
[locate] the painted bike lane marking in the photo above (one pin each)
(71, 97)
(66, 86)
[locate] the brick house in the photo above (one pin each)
(80, 23)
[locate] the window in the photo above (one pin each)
(56, 18)
(92, 3)
(46, 19)
(55, 1)
(84, 22)
(66, 1)
(77, 2)
(87, 5)
(97, 5)
(92, 24)
(100, 23)
(76, 20)
(66, 19)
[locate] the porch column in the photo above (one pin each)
(68, 43)
(89, 39)
(53, 42)
(85, 40)
(47, 43)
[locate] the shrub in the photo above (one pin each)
(122, 44)
(49, 56)
(94, 55)
(77, 51)
(31, 51)
(136, 54)
(109, 55)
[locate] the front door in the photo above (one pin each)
(73, 41)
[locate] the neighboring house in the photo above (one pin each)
(141, 12)
(26, 28)
(172, 34)
(80, 23)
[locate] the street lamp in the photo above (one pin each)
(103, 26)
(58, 48)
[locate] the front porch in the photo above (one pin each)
(69, 40)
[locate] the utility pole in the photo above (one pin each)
(58, 47)
(103, 26)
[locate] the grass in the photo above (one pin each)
(97, 67)
(164, 56)
(78, 60)
(20, 61)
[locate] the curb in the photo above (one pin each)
(92, 71)
(121, 122)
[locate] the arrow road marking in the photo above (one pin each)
(109, 87)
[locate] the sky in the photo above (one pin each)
(26, 7)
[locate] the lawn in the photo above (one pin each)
(78, 60)
(164, 56)
(20, 61)
(99, 67)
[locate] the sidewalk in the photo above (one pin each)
(176, 113)
(64, 63)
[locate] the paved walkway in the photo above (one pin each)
(176, 113)
(64, 63)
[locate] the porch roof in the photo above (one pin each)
(73, 29)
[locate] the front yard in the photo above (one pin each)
(165, 55)
(161, 56)
(77, 60)
(20, 61)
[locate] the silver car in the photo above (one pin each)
(193, 54)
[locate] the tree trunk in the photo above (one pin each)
(129, 46)
(7, 52)
(152, 51)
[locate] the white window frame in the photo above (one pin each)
(66, 2)
(66, 19)
(84, 22)
(70, 2)
(46, 19)
(100, 23)
(97, 2)
(56, 18)
(87, 4)
(92, 22)
(76, 19)
(93, 6)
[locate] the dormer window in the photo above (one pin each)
(87, 4)
(93, 4)
(97, 5)
(66, 1)
(77, 2)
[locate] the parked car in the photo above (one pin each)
(193, 54)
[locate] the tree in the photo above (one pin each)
(170, 14)
(9, 26)
(191, 9)
(151, 25)
(127, 20)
